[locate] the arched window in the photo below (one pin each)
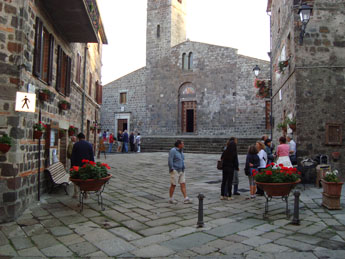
(190, 61)
(184, 61)
(158, 31)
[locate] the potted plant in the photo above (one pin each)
(92, 128)
(277, 180)
(291, 123)
(64, 105)
(335, 155)
(44, 95)
(38, 129)
(331, 190)
(5, 143)
(282, 126)
(91, 176)
(72, 130)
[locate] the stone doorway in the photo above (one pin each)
(188, 117)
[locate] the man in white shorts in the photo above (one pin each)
(176, 169)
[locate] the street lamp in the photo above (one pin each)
(256, 70)
(304, 13)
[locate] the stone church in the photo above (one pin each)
(187, 88)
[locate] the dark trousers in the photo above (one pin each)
(228, 175)
(132, 147)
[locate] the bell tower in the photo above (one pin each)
(166, 27)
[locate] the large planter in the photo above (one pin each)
(332, 188)
(277, 189)
(91, 185)
(37, 134)
(4, 148)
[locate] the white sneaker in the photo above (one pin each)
(223, 198)
(172, 201)
(187, 201)
(230, 198)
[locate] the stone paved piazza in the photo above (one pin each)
(139, 222)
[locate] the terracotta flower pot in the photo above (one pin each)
(332, 188)
(335, 155)
(44, 96)
(37, 134)
(91, 185)
(4, 148)
(63, 106)
(277, 189)
(292, 126)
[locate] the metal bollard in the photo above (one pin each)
(295, 220)
(200, 223)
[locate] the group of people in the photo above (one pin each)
(122, 140)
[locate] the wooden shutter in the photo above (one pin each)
(38, 48)
(58, 69)
(51, 59)
(100, 93)
(68, 76)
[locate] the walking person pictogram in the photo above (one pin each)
(26, 100)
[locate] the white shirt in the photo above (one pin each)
(292, 145)
(137, 139)
(263, 158)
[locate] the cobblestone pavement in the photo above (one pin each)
(139, 222)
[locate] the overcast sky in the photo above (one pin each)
(241, 24)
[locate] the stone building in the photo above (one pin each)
(311, 85)
(186, 88)
(54, 45)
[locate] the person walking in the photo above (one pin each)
(230, 163)
(81, 150)
(292, 150)
(138, 142)
(176, 170)
(132, 141)
(111, 142)
(252, 164)
(101, 148)
(268, 150)
(125, 140)
(119, 141)
(260, 147)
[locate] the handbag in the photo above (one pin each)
(220, 164)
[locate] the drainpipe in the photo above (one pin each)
(84, 87)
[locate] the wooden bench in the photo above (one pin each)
(58, 175)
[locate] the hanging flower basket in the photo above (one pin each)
(335, 155)
(5, 143)
(64, 105)
(72, 130)
(37, 134)
(4, 148)
(44, 95)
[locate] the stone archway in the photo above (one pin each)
(188, 111)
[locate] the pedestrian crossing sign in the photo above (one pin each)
(25, 102)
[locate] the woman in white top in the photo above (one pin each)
(263, 162)
(261, 154)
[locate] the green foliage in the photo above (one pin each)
(277, 174)
(282, 125)
(40, 126)
(5, 139)
(332, 177)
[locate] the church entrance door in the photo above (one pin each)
(122, 124)
(188, 117)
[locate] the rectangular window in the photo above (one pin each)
(43, 53)
(63, 73)
(98, 93)
(78, 69)
(123, 98)
(333, 134)
(90, 84)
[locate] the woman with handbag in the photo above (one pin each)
(252, 164)
(230, 164)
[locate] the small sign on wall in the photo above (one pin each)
(25, 102)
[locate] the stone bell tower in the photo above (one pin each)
(166, 27)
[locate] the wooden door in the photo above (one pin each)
(188, 114)
(122, 124)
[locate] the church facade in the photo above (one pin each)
(186, 88)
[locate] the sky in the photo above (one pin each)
(240, 24)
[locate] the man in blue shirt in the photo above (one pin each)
(125, 140)
(176, 169)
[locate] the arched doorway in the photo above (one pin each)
(187, 101)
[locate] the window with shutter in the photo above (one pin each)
(90, 83)
(43, 53)
(78, 68)
(63, 72)
(333, 134)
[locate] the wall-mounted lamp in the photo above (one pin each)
(256, 70)
(304, 13)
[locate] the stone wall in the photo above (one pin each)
(312, 86)
(19, 167)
